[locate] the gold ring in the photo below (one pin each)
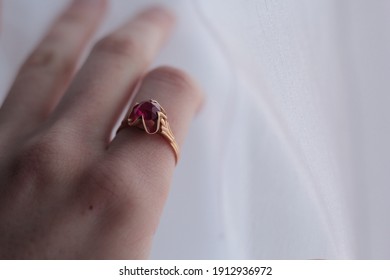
(151, 117)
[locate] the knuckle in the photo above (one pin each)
(42, 159)
(177, 79)
(41, 152)
(72, 17)
(50, 60)
(172, 76)
(43, 57)
(33, 163)
(119, 45)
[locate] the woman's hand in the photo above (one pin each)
(66, 190)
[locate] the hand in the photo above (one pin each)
(67, 191)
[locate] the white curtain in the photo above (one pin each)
(289, 158)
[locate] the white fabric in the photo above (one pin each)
(289, 157)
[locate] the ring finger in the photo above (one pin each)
(149, 160)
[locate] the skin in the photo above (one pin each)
(67, 190)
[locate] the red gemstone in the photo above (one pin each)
(147, 109)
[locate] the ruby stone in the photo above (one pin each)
(147, 109)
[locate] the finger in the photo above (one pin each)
(103, 86)
(43, 77)
(180, 97)
(150, 158)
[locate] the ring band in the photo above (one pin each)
(151, 117)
